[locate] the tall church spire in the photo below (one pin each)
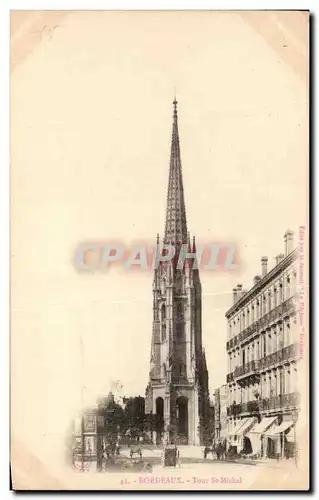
(176, 225)
(177, 392)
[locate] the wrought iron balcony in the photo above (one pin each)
(285, 354)
(248, 368)
(292, 399)
(234, 409)
(273, 403)
(250, 407)
(270, 403)
(280, 311)
(280, 401)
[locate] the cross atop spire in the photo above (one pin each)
(176, 225)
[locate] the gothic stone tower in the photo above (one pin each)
(177, 398)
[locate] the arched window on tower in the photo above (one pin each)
(163, 322)
(182, 369)
(163, 313)
(179, 330)
(164, 372)
(179, 283)
(163, 286)
(179, 311)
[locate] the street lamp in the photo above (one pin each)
(294, 419)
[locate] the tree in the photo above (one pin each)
(134, 414)
(113, 414)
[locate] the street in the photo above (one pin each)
(192, 459)
(195, 455)
(196, 473)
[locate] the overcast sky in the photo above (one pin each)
(91, 129)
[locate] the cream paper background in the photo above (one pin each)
(91, 117)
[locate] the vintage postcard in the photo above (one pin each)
(159, 250)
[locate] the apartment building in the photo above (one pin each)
(262, 348)
(220, 405)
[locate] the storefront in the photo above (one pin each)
(237, 437)
(275, 440)
(256, 435)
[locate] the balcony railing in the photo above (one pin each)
(251, 367)
(281, 401)
(285, 354)
(234, 410)
(267, 318)
(273, 403)
(289, 352)
(250, 407)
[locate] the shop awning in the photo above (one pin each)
(245, 427)
(278, 429)
(238, 426)
(263, 425)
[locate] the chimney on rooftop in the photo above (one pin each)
(256, 279)
(289, 241)
(279, 258)
(264, 262)
(239, 291)
(234, 295)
